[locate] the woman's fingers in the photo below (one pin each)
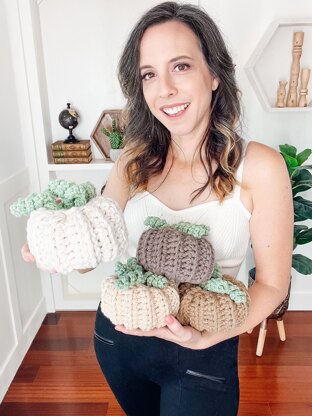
(180, 331)
(26, 254)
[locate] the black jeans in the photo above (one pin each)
(153, 377)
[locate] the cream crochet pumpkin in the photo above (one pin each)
(140, 307)
(77, 238)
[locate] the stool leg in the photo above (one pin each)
(261, 338)
(281, 329)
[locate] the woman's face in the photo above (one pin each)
(177, 83)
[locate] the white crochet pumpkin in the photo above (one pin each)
(77, 238)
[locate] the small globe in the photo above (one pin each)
(68, 119)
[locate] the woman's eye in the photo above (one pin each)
(147, 76)
(181, 67)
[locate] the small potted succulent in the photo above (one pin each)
(116, 137)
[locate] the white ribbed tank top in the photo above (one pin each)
(229, 224)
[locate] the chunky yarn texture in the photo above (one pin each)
(179, 256)
(209, 311)
(77, 238)
(144, 291)
(140, 307)
(60, 194)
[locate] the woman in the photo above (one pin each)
(184, 160)
(183, 155)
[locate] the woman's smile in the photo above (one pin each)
(175, 110)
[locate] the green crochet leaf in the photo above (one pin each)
(196, 230)
(222, 286)
(132, 274)
(60, 194)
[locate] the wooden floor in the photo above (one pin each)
(60, 376)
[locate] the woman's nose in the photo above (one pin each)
(167, 86)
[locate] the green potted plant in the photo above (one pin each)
(116, 137)
(301, 181)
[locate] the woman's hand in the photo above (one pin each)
(29, 258)
(26, 254)
(185, 336)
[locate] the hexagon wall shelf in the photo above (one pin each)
(271, 62)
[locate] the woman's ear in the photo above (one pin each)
(215, 83)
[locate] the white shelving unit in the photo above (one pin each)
(94, 165)
(272, 58)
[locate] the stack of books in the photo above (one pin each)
(71, 152)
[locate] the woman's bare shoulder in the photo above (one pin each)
(263, 163)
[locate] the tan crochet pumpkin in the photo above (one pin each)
(141, 307)
(209, 311)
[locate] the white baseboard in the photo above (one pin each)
(300, 301)
(18, 353)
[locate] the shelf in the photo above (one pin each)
(271, 62)
(96, 164)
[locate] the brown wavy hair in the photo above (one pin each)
(147, 140)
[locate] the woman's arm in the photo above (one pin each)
(271, 229)
(117, 186)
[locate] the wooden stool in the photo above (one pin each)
(277, 315)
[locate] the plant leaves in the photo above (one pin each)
(301, 181)
(298, 229)
(287, 149)
(302, 264)
(291, 162)
(303, 156)
(301, 174)
(304, 237)
(302, 208)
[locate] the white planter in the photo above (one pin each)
(114, 153)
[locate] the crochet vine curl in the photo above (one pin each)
(132, 274)
(196, 230)
(61, 194)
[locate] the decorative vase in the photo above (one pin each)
(114, 154)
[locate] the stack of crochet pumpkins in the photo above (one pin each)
(174, 272)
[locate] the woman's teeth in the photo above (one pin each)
(172, 111)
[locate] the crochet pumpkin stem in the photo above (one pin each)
(60, 194)
(222, 286)
(196, 230)
(132, 274)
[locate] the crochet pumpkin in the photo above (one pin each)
(177, 251)
(86, 233)
(144, 291)
(221, 307)
(138, 299)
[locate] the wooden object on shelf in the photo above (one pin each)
(60, 145)
(304, 80)
(100, 139)
(71, 160)
(281, 94)
(295, 69)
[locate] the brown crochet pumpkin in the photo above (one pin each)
(177, 255)
(140, 307)
(209, 311)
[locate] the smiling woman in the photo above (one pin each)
(184, 161)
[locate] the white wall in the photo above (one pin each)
(22, 305)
